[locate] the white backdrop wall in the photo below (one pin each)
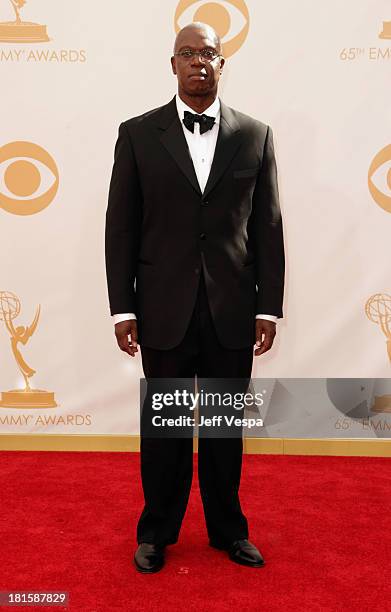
(317, 72)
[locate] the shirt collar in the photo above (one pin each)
(212, 111)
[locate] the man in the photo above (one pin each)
(194, 218)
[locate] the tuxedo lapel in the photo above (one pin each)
(228, 141)
(173, 139)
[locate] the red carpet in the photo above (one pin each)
(322, 523)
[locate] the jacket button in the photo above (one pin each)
(204, 202)
(197, 270)
(202, 236)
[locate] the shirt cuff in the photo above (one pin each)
(126, 316)
(267, 317)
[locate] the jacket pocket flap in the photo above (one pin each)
(246, 173)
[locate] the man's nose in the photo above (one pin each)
(196, 60)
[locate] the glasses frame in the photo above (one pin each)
(195, 53)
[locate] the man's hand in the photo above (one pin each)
(267, 329)
(122, 331)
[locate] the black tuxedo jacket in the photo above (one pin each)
(160, 228)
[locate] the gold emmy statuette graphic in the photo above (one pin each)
(19, 31)
(27, 397)
(386, 32)
(378, 310)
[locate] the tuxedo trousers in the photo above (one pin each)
(167, 463)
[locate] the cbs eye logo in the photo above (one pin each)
(28, 178)
(230, 19)
(379, 178)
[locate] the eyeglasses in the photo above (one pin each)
(206, 55)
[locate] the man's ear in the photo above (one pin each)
(222, 62)
(173, 64)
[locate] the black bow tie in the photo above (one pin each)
(206, 122)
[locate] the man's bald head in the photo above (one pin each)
(202, 28)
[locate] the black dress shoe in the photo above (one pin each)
(243, 552)
(149, 558)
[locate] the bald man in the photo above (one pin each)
(195, 273)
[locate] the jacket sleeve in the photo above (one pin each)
(267, 233)
(123, 226)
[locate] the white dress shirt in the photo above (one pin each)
(202, 148)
